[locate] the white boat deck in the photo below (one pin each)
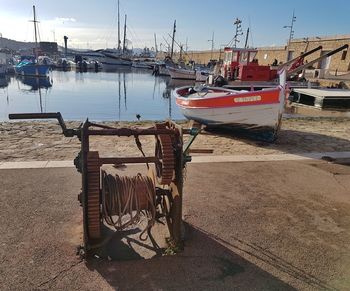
(325, 93)
(327, 98)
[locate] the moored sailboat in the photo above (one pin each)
(116, 57)
(30, 65)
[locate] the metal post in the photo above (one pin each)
(212, 46)
(65, 45)
(173, 39)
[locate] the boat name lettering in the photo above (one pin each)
(247, 99)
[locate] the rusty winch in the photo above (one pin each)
(107, 199)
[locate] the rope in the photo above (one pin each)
(122, 195)
(139, 146)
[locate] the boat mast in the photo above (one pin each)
(155, 43)
(124, 35)
(239, 32)
(118, 28)
(212, 46)
(246, 38)
(172, 43)
(35, 33)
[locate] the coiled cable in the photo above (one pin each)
(123, 195)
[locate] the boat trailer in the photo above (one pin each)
(118, 202)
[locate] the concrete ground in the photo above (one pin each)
(278, 225)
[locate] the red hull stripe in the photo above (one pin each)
(242, 99)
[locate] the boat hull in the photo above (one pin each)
(141, 66)
(115, 60)
(183, 74)
(163, 71)
(259, 111)
(176, 73)
(255, 116)
(32, 70)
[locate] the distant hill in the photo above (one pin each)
(15, 45)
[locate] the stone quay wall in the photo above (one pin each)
(339, 62)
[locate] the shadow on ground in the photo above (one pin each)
(205, 264)
(288, 141)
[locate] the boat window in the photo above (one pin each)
(228, 56)
(234, 56)
(244, 57)
(252, 56)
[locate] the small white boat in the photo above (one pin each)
(65, 64)
(260, 110)
(180, 73)
(188, 74)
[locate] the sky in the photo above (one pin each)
(93, 24)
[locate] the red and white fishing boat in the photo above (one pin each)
(257, 110)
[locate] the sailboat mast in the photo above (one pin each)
(35, 32)
(124, 41)
(155, 43)
(118, 28)
(172, 43)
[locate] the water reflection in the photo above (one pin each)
(114, 95)
(36, 83)
(171, 84)
(4, 81)
(120, 86)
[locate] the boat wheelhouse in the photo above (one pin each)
(242, 64)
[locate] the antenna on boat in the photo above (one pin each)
(233, 42)
(239, 31)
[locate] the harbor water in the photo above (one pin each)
(114, 96)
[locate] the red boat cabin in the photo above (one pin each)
(241, 64)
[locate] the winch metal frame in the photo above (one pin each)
(170, 158)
